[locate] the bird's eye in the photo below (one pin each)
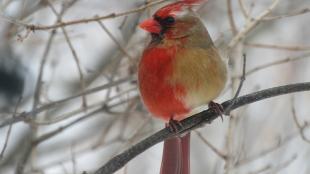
(168, 20)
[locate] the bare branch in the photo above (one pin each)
(62, 128)
(9, 132)
(26, 116)
(77, 61)
(123, 50)
(289, 59)
(41, 69)
(300, 127)
(264, 152)
(242, 79)
(73, 51)
(88, 20)
(194, 122)
(279, 47)
(231, 17)
(296, 13)
(214, 149)
(251, 24)
(244, 9)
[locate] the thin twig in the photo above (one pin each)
(122, 49)
(25, 116)
(261, 170)
(73, 159)
(44, 58)
(242, 79)
(265, 152)
(300, 127)
(279, 47)
(88, 20)
(126, 114)
(296, 13)
(116, 65)
(78, 64)
(214, 149)
(243, 9)
(24, 157)
(41, 70)
(51, 134)
(69, 114)
(252, 24)
(105, 132)
(73, 51)
(289, 59)
(231, 17)
(29, 144)
(9, 131)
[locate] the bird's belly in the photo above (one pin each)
(202, 73)
(163, 100)
(161, 97)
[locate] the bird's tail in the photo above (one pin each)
(176, 155)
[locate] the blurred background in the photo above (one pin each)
(69, 99)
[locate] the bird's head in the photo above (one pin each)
(173, 21)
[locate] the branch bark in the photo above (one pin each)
(194, 122)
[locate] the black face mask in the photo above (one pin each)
(165, 24)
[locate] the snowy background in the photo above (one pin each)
(47, 70)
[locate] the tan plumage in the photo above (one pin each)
(201, 72)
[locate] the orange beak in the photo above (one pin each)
(151, 26)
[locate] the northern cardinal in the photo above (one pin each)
(179, 70)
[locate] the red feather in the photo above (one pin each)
(192, 2)
(176, 155)
(160, 97)
(176, 7)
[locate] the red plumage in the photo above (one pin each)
(157, 94)
(193, 1)
(176, 7)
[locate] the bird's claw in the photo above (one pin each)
(217, 108)
(174, 125)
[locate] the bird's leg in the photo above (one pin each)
(174, 125)
(217, 108)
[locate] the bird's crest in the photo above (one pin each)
(172, 9)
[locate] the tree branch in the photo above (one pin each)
(26, 116)
(252, 24)
(87, 20)
(195, 122)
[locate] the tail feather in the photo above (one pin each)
(185, 154)
(176, 155)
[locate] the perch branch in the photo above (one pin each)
(195, 122)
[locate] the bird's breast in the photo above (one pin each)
(201, 72)
(161, 97)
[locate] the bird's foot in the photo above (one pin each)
(217, 108)
(174, 125)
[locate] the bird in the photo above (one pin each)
(179, 70)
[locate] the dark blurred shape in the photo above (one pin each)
(12, 78)
(11, 83)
